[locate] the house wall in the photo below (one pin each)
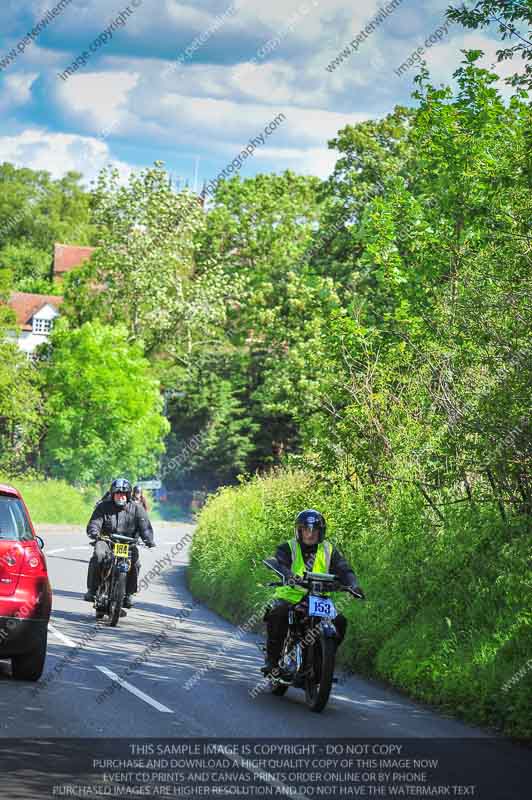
(27, 340)
(46, 312)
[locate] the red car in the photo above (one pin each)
(25, 591)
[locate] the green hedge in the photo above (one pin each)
(55, 502)
(448, 614)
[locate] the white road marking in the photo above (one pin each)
(58, 550)
(61, 636)
(154, 677)
(370, 702)
(135, 691)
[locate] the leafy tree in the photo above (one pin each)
(37, 209)
(258, 234)
(368, 155)
(36, 212)
(143, 264)
(513, 21)
(212, 436)
(103, 404)
(424, 379)
(20, 400)
(30, 267)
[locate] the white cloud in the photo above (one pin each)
(317, 161)
(58, 153)
(184, 16)
(441, 56)
(97, 100)
(224, 124)
(16, 89)
(212, 109)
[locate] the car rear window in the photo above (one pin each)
(14, 523)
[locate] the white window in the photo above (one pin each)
(42, 325)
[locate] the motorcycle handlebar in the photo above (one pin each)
(124, 538)
(108, 536)
(333, 587)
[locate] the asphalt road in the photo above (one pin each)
(157, 701)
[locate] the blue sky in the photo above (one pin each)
(142, 96)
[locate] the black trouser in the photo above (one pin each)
(102, 554)
(277, 627)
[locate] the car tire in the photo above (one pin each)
(29, 666)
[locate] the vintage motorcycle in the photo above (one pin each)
(112, 588)
(309, 651)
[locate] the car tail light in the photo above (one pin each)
(33, 590)
(11, 559)
(34, 565)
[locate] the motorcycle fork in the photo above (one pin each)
(296, 635)
(312, 632)
(104, 587)
(290, 638)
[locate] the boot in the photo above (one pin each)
(89, 596)
(127, 601)
(270, 664)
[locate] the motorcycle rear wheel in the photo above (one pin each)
(319, 680)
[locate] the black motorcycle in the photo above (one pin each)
(112, 588)
(309, 651)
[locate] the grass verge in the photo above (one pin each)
(448, 615)
(55, 502)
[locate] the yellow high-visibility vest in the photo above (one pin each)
(321, 564)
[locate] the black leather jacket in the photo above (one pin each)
(131, 520)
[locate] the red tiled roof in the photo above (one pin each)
(68, 256)
(25, 305)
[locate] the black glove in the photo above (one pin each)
(356, 591)
(150, 544)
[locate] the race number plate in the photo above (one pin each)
(321, 607)
(121, 550)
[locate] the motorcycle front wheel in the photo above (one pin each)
(320, 676)
(101, 607)
(278, 689)
(118, 592)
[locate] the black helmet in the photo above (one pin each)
(310, 518)
(121, 485)
(137, 488)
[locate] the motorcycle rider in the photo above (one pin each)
(138, 497)
(120, 515)
(307, 551)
